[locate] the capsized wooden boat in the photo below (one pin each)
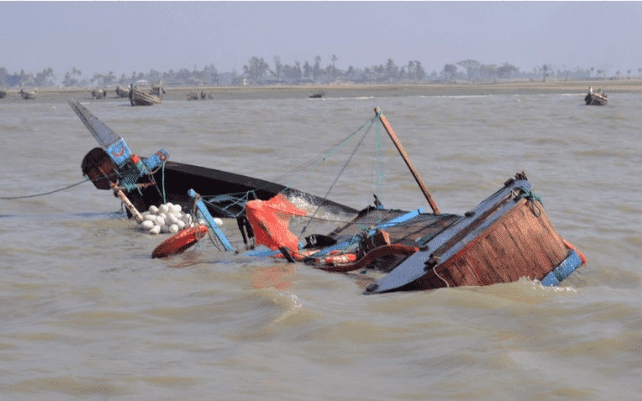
(596, 98)
(505, 237)
(139, 98)
(155, 180)
(122, 92)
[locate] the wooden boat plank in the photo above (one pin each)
(487, 263)
(522, 250)
(549, 245)
(450, 241)
(463, 272)
(529, 239)
(517, 245)
(524, 236)
(510, 247)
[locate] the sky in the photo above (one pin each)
(123, 37)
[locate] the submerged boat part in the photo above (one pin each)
(152, 181)
(506, 237)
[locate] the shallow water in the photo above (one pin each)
(86, 313)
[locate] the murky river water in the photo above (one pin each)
(85, 313)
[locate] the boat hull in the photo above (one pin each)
(176, 179)
(138, 98)
(121, 93)
(595, 99)
(507, 237)
(519, 244)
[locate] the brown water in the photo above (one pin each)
(85, 313)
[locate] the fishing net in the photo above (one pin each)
(270, 221)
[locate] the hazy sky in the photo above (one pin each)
(138, 36)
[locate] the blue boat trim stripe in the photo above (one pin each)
(563, 270)
(208, 217)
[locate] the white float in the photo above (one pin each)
(169, 218)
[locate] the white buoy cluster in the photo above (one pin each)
(169, 218)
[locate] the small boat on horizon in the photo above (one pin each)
(28, 95)
(122, 92)
(139, 98)
(595, 98)
(99, 94)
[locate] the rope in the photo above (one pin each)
(240, 198)
(315, 162)
(531, 197)
(338, 176)
(442, 279)
(42, 194)
(163, 183)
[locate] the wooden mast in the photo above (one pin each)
(406, 159)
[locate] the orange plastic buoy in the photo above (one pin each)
(393, 249)
(179, 242)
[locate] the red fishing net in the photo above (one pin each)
(271, 219)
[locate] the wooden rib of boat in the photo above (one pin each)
(506, 237)
(122, 92)
(595, 98)
(28, 95)
(140, 98)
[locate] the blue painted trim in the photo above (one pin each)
(208, 217)
(401, 219)
(568, 266)
(119, 152)
(155, 161)
(264, 251)
(386, 224)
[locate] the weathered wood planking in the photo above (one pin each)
(519, 244)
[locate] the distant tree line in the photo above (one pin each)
(258, 72)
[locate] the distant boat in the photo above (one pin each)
(140, 98)
(28, 95)
(595, 98)
(317, 95)
(122, 92)
(3, 94)
(99, 94)
(202, 96)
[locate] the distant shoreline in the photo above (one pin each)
(61, 95)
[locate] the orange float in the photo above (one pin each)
(180, 242)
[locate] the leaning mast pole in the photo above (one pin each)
(406, 158)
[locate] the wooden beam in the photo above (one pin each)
(406, 159)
